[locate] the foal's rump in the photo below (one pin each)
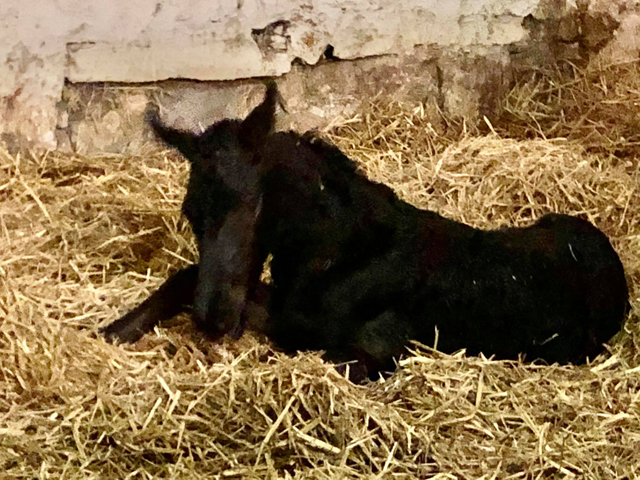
(553, 291)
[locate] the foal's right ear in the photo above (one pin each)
(185, 142)
(261, 121)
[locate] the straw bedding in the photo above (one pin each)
(82, 240)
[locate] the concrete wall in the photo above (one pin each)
(45, 42)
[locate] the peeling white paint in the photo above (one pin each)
(44, 42)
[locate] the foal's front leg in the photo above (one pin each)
(170, 299)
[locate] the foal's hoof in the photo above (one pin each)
(122, 330)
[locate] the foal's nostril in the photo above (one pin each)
(204, 315)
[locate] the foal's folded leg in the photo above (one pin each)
(170, 299)
(382, 341)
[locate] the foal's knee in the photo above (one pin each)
(382, 340)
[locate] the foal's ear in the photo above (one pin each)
(261, 121)
(185, 142)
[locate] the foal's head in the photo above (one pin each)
(222, 204)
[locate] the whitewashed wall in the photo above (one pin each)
(44, 42)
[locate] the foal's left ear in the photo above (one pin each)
(261, 121)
